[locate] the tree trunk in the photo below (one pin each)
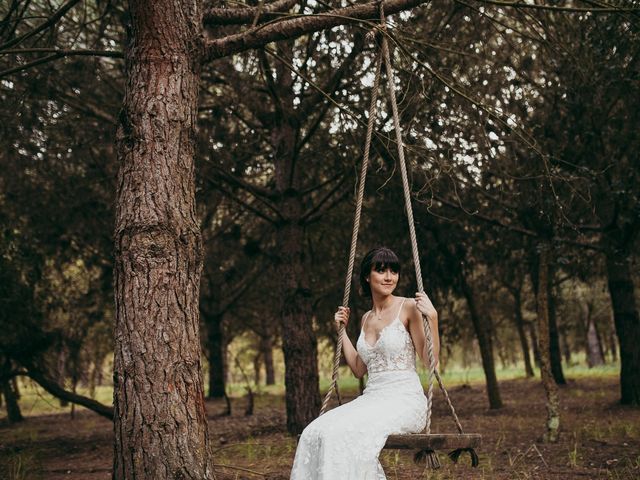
(555, 356)
(16, 387)
(299, 343)
(566, 347)
(257, 363)
(627, 322)
(11, 403)
(554, 334)
(160, 419)
(524, 345)
(266, 349)
(550, 386)
(534, 344)
(613, 347)
(216, 348)
(482, 330)
(595, 356)
(61, 370)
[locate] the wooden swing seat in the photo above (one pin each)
(440, 441)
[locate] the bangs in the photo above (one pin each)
(384, 259)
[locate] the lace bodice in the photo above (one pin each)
(392, 351)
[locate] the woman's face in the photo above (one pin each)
(383, 280)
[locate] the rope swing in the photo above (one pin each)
(426, 443)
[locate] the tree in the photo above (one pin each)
(160, 418)
(158, 259)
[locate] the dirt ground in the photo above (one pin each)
(600, 439)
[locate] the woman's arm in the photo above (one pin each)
(414, 310)
(350, 353)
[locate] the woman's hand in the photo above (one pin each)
(425, 306)
(341, 316)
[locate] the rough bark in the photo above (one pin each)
(627, 322)
(216, 349)
(524, 344)
(550, 386)
(482, 330)
(160, 421)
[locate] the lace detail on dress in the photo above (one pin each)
(392, 351)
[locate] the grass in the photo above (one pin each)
(35, 401)
(23, 466)
(600, 439)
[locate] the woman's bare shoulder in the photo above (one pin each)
(409, 304)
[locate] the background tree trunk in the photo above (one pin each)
(627, 322)
(61, 372)
(160, 420)
(593, 346)
(16, 387)
(535, 344)
(550, 386)
(482, 329)
(266, 349)
(524, 344)
(299, 343)
(554, 334)
(555, 356)
(216, 348)
(11, 403)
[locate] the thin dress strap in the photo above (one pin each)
(365, 318)
(400, 309)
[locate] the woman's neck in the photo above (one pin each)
(381, 302)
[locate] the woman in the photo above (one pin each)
(344, 443)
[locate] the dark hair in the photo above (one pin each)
(379, 257)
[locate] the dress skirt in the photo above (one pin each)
(344, 443)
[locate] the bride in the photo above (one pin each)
(344, 443)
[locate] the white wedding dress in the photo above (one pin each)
(344, 443)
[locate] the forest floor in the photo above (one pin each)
(600, 439)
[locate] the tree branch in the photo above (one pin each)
(57, 391)
(311, 103)
(57, 53)
(297, 26)
(50, 22)
(245, 16)
(519, 4)
(242, 203)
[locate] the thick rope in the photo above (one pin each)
(407, 201)
(412, 230)
(356, 227)
(385, 56)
